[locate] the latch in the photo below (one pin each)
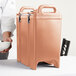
(19, 17)
(29, 17)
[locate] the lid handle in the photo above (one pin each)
(25, 8)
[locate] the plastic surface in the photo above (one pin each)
(39, 40)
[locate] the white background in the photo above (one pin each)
(12, 68)
(68, 11)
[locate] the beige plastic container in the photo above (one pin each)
(38, 36)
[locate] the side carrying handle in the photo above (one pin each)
(45, 6)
